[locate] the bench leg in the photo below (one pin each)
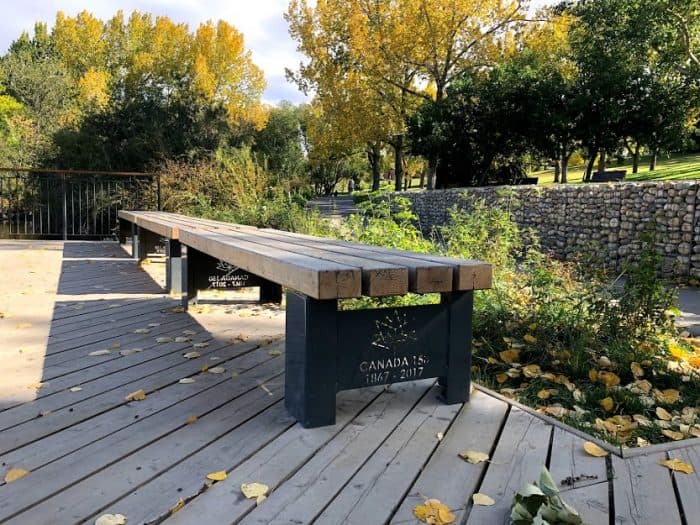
(270, 292)
(146, 243)
(310, 360)
(459, 344)
(189, 267)
(173, 267)
(134, 241)
(124, 231)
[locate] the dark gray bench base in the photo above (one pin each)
(328, 350)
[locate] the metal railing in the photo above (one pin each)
(70, 204)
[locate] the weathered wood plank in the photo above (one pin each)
(116, 466)
(643, 492)
(88, 496)
(379, 486)
(476, 427)
(688, 485)
(276, 462)
(317, 279)
(159, 227)
(572, 465)
(520, 454)
(306, 492)
(591, 502)
(54, 446)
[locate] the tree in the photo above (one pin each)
(279, 145)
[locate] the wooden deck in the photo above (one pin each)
(90, 452)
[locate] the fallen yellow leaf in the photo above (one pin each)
(545, 393)
(594, 450)
(180, 503)
(217, 370)
(275, 352)
(675, 436)
(254, 490)
(509, 356)
(662, 413)
(608, 378)
(607, 403)
(501, 378)
(637, 370)
(100, 352)
(14, 474)
(164, 339)
(473, 456)
(191, 355)
(111, 519)
(532, 371)
(200, 345)
(669, 396)
(482, 499)
(142, 331)
(435, 512)
(191, 419)
(139, 395)
(529, 339)
(219, 475)
(677, 465)
(186, 380)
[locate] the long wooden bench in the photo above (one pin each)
(327, 349)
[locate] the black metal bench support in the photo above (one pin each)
(125, 230)
(204, 272)
(328, 350)
(144, 242)
(173, 267)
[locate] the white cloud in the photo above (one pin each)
(260, 21)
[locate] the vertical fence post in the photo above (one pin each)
(160, 208)
(65, 206)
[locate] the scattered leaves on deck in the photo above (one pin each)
(14, 474)
(139, 395)
(219, 475)
(435, 512)
(594, 450)
(482, 499)
(677, 465)
(111, 519)
(474, 456)
(256, 491)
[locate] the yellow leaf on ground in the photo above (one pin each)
(191, 355)
(139, 395)
(594, 450)
(675, 436)
(182, 339)
(545, 393)
(116, 346)
(662, 413)
(200, 345)
(186, 380)
(473, 456)
(180, 503)
(219, 475)
(501, 378)
(75, 389)
(593, 375)
(14, 474)
(189, 332)
(153, 325)
(142, 331)
(435, 512)
(529, 339)
(668, 396)
(111, 519)
(164, 339)
(191, 419)
(532, 327)
(439, 436)
(677, 465)
(532, 371)
(100, 352)
(482, 499)
(608, 378)
(607, 403)
(254, 490)
(637, 370)
(260, 499)
(275, 352)
(217, 370)
(509, 356)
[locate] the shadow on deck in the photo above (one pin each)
(90, 452)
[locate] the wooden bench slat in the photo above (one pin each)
(160, 227)
(423, 276)
(310, 276)
(379, 279)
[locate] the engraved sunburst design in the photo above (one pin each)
(393, 331)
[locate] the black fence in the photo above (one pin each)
(54, 204)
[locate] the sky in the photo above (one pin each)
(260, 21)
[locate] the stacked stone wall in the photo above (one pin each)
(603, 220)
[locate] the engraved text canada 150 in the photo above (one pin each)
(394, 369)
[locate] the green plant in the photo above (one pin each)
(541, 504)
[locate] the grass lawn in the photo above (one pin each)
(675, 168)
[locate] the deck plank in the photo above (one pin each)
(518, 459)
(643, 492)
(571, 463)
(688, 484)
(476, 427)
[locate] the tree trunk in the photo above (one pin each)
(374, 156)
(654, 158)
(398, 163)
(564, 167)
(601, 161)
(432, 171)
(635, 159)
(422, 178)
(589, 167)
(557, 170)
